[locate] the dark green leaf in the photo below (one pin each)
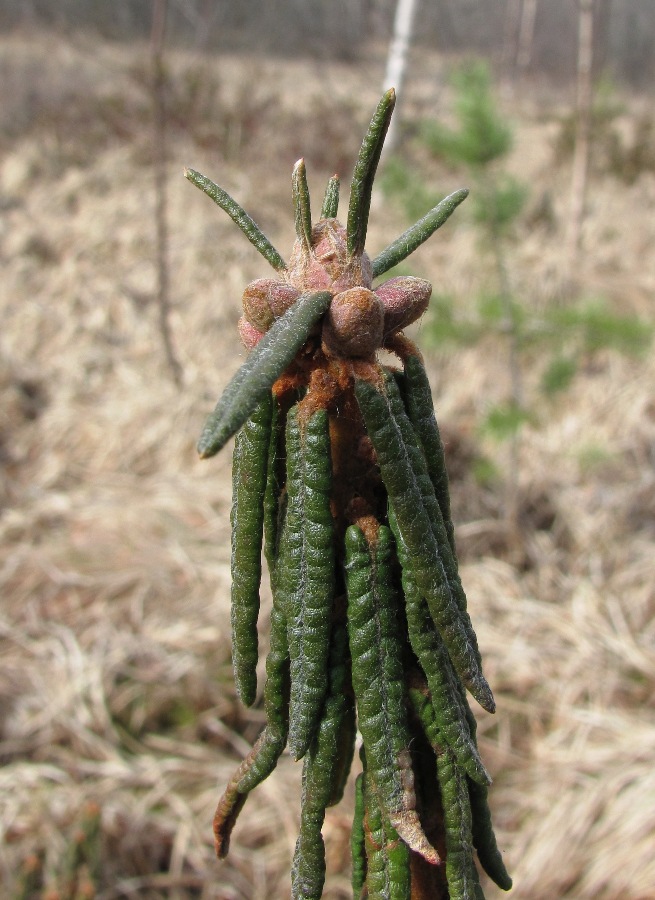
(306, 571)
(484, 839)
(301, 204)
(418, 401)
(361, 187)
(266, 363)
(331, 199)
(387, 857)
(377, 673)
(240, 217)
(319, 772)
(411, 239)
(250, 463)
(462, 877)
(431, 653)
(405, 476)
(357, 844)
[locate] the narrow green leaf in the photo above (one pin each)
(378, 680)
(431, 653)
(319, 772)
(274, 483)
(306, 571)
(301, 204)
(361, 186)
(388, 872)
(346, 751)
(263, 757)
(418, 402)
(484, 839)
(411, 239)
(331, 200)
(250, 463)
(266, 362)
(376, 662)
(447, 559)
(357, 840)
(239, 216)
(405, 476)
(462, 877)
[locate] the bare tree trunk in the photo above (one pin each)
(161, 200)
(583, 130)
(397, 59)
(526, 35)
(510, 38)
(602, 24)
(28, 14)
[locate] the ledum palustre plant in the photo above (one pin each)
(339, 474)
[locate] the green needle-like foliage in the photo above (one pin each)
(364, 174)
(340, 478)
(301, 204)
(239, 216)
(253, 382)
(247, 519)
(330, 206)
(411, 239)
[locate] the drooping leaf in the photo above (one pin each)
(404, 480)
(266, 362)
(306, 571)
(249, 470)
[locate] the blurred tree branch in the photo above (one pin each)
(159, 11)
(584, 100)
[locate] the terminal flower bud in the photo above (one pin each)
(327, 265)
(354, 322)
(250, 336)
(266, 299)
(404, 300)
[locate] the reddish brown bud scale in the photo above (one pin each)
(328, 265)
(266, 299)
(250, 336)
(404, 300)
(353, 326)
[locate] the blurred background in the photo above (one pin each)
(119, 724)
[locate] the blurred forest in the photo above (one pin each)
(119, 301)
(541, 35)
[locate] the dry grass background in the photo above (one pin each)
(115, 684)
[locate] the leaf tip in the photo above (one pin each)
(484, 696)
(409, 828)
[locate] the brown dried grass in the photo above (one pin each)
(114, 565)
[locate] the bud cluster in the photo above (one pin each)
(360, 318)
